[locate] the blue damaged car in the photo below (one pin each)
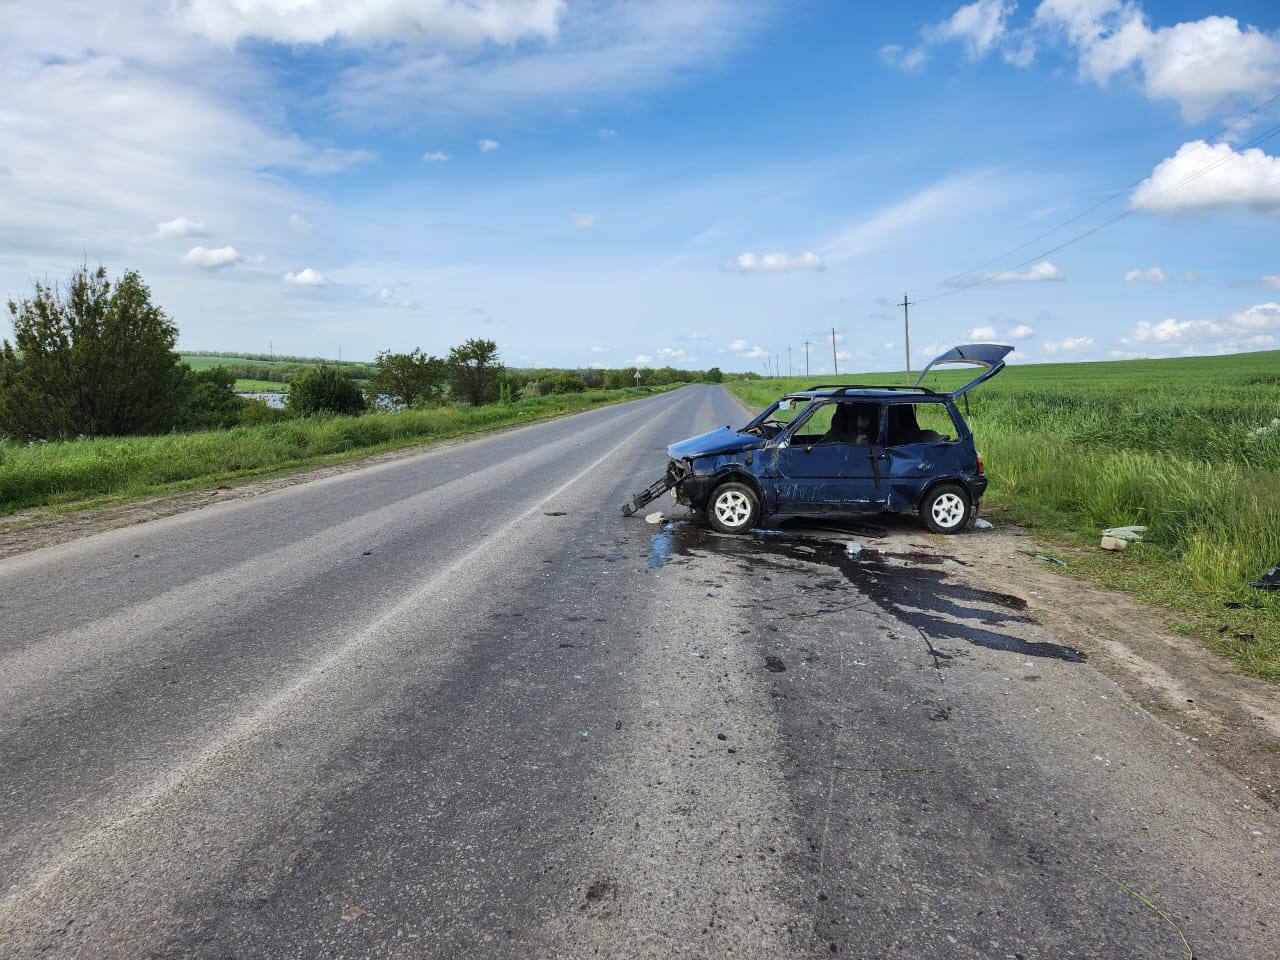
(835, 450)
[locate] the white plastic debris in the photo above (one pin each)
(853, 548)
(1114, 543)
(981, 524)
(656, 517)
(1130, 534)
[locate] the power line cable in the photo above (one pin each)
(1262, 138)
(1080, 216)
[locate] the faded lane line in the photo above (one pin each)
(94, 642)
(245, 728)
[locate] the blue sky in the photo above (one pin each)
(699, 182)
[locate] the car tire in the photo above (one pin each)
(947, 508)
(733, 508)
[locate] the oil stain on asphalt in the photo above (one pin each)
(912, 587)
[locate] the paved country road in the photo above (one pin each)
(456, 706)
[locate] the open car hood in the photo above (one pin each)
(724, 440)
(989, 356)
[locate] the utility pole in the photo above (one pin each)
(835, 362)
(788, 361)
(271, 350)
(806, 358)
(906, 332)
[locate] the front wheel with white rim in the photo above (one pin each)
(947, 508)
(733, 508)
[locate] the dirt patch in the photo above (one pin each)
(1235, 717)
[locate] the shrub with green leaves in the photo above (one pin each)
(324, 390)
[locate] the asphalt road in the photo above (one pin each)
(456, 706)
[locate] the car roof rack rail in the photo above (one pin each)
(866, 386)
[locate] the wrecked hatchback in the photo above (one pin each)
(837, 450)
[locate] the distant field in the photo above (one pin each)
(259, 374)
(258, 386)
(1173, 444)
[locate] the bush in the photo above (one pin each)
(257, 412)
(211, 400)
(475, 371)
(409, 378)
(324, 390)
(89, 361)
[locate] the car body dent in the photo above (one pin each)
(900, 476)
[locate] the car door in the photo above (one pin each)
(825, 465)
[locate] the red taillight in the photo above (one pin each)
(981, 468)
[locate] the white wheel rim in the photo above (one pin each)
(733, 508)
(948, 510)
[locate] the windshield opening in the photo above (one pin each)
(776, 419)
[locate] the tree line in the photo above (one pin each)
(97, 358)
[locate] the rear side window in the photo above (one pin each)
(846, 422)
(920, 423)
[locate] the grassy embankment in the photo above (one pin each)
(1073, 448)
(79, 473)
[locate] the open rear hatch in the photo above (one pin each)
(989, 356)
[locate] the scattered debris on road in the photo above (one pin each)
(981, 524)
(1045, 558)
(775, 665)
(656, 517)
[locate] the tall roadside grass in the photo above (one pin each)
(1186, 447)
(49, 474)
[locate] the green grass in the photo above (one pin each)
(1073, 448)
(82, 472)
(259, 386)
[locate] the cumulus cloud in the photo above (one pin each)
(1252, 329)
(306, 278)
(1040, 272)
(750, 262)
(449, 22)
(386, 293)
(747, 352)
(1153, 276)
(1021, 332)
(599, 349)
(1067, 345)
(1272, 281)
(435, 156)
(584, 221)
(1223, 178)
(181, 227)
(1201, 64)
(300, 224)
(211, 259)
(487, 145)
(982, 333)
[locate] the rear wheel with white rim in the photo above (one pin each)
(733, 508)
(947, 508)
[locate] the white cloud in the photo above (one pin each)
(755, 353)
(773, 262)
(1251, 329)
(694, 336)
(487, 145)
(908, 59)
(982, 333)
(435, 156)
(1202, 64)
(584, 221)
(887, 345)
(386, 293)
(1153, 276)
(643, 360)
(181, 227)
(1189, 276)
(1040, 272)
(737, 346)
(300, 224)
(1068, 345)
(306, 278)
(1272, 281)
(1021, 332)
(211, 259)
(979, 26)
(599, 349)
(606, 133)
(447, 22)
(1248, 179)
